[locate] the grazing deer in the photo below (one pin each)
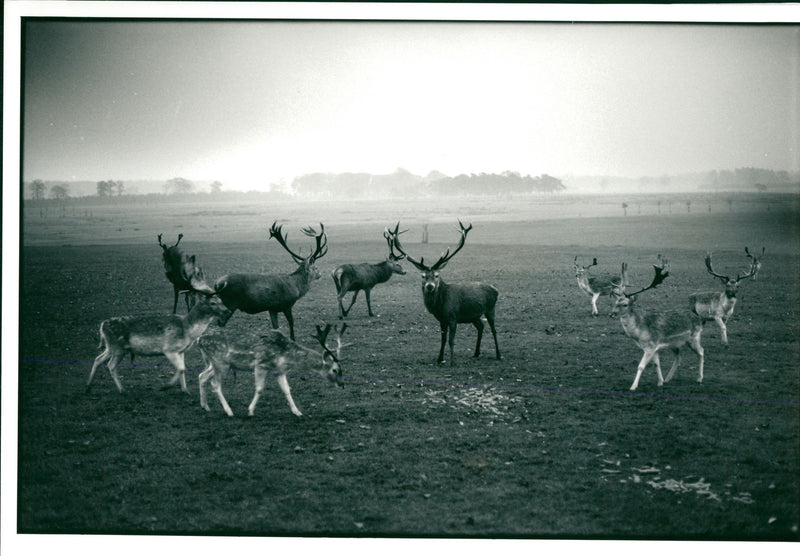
(453, 303)
(365, 276)
(276, 293)
(718, 306)
(184, 274)
(755, 263)
(264, 353)
(655, 331)
(595, 286)
(168, 335)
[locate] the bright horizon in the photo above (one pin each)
(249, 103)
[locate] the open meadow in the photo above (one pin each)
(547, 442)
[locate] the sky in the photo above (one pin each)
(251, 103)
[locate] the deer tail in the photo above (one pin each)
(336, 275)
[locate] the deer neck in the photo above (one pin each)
(303, 277)
(196, 322)
(383, 271)
(434, 299)
(631, 318)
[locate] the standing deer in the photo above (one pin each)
(184, 274)
(653, 332)
(276, 293)
(365, 276)
(595, 286)
(168, 335)
(453, 303)
(718, 306)
(262, 354)
(755, 263)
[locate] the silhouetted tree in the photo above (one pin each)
(59, 192)
(38, 189)
(178, 185)
(625, 208)
(216, 187)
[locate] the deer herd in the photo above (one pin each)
(172, 335)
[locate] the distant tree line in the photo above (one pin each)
(403, 183)
(747, 178)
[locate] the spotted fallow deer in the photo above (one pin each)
(453, 303)
(263, 354)
(276, 293)
(596, 286)
(168, 335)
(718, 306)
(184, 274)
(365, 276)
(654, 331)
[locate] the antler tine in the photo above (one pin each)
(339, 344)
(388, 235)
(180, 237)
(160, 243)
(276, 232)
(322, 242)
(445, 258)
(711, 269)
(322, 335)
(419, 264)
(661, 273)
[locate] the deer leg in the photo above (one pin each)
(490, 320)
(648, 355)
(284, 384)
(694, 343)
(99, 360)
(116, 357)
(479, 326)
(175, 304)
(595, 297)
(352, 301)
(369, 304)
(260, 375)
(202, 378)
(216, 386)
(290, 319)
(273, 318)
(722, 329)
(180, 374)
(675, 363)
(451, 341)
(444, 339)
(657, 361)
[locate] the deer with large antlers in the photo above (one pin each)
(276, 293)
(653, 332)
(365, 276)
(268, 353)
(184, 274)
(168, 335)
(453, 303)
(597, 286)
(718, 306)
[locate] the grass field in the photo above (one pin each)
(546, 443)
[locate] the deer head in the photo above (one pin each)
(624, 300)
(329, 357)
(430, 274)
(320, 250)
(731, 285)
(581, 270)
(393, 259)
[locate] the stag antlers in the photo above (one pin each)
(420, 264)
(321, 239)
(661, 272)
